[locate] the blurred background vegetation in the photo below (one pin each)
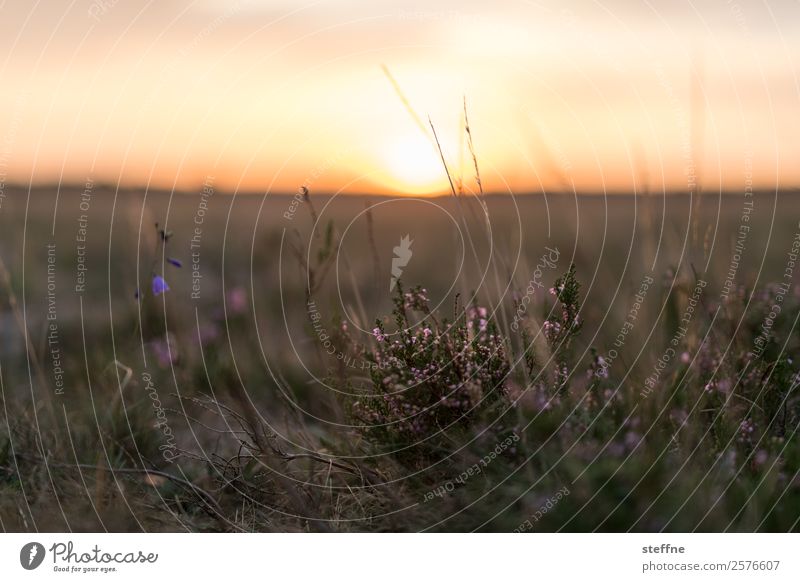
(259, 413)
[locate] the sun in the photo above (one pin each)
(412, 164)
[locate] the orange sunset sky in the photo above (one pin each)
(267, 95)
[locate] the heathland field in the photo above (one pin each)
(204, 361)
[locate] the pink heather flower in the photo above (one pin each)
(746, 429)
(685, 358)
(378, 335)
(632, 439)
(208, 334)
(551, 329)
(427, 332)
(602, 368)
(165, 350)
(236, 300)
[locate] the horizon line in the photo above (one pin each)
(109, 186)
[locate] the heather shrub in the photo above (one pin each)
(431, 379)
(551, 367)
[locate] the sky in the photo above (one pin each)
(272, 95)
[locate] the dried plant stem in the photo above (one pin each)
(444, 162)
(131, 471)
(406, 104)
